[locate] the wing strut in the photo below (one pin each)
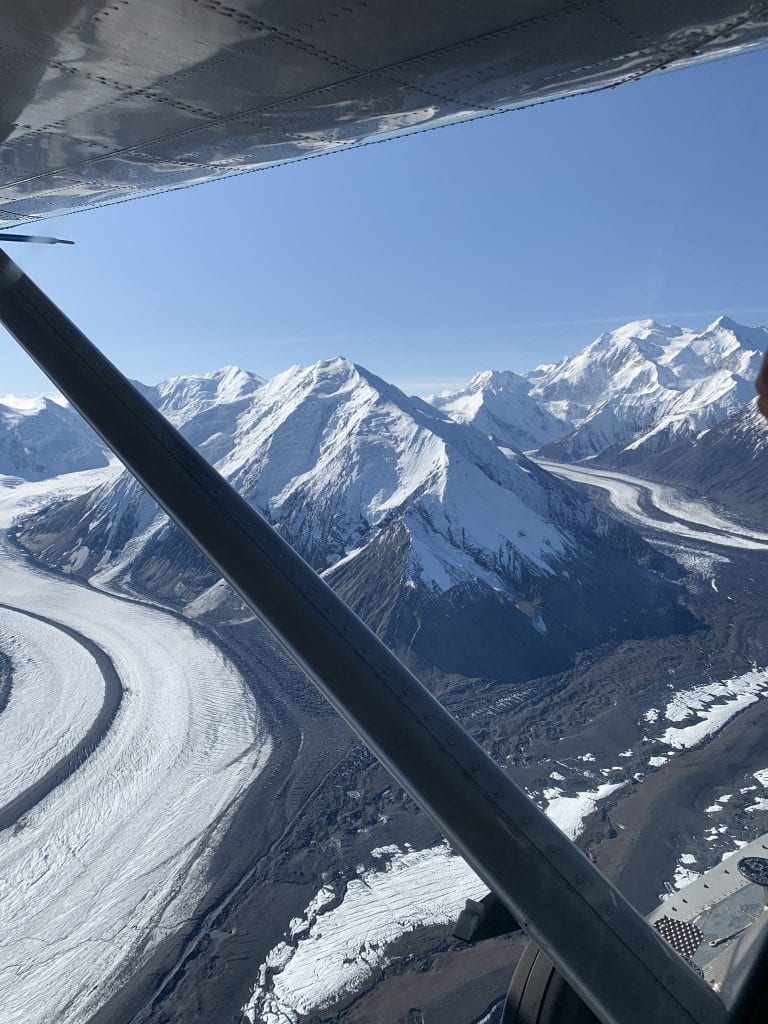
(38, 239)
(616, 962)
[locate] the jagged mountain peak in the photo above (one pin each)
(335, 393)
(647, 338)
(627, 359)
(645, 335)
(335, 435)
(183, 397)
(495, 380)
(724, 322)
(497, 403)
(643, 386)
(640, 330)
(743, 331)
(326, 376)
(725, 336)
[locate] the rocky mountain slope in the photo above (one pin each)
(42, 437)
(467, 560)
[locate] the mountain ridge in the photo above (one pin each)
(644, 386)
(498, 403)
(347, 467)
(727, 464)
(632, 391)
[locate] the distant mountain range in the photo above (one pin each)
(665, 402)
(632, 392)
(41, 437)
(427, 516)
(645, 387)
(466, 558)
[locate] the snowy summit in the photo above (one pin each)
(645, 386)
(497, 402)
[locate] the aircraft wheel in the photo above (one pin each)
(538, 995)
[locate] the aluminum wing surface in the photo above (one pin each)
(101, 102)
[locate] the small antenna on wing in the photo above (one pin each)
(41, 239)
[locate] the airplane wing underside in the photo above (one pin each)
(106, 101)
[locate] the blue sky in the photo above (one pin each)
(500, 243)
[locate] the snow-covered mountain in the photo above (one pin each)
(42, 437)
(644, 387)
(183, 398)
(728, 464)
(470, 560)
(497, 402)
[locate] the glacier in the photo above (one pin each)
(114, 859)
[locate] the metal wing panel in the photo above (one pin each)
(380, 35)
(105, 101)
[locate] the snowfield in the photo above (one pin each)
(341, 948)
(711, 706)
(331, 952)
(569, 812)
(113, 860)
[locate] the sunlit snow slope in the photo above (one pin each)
(497, 402)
